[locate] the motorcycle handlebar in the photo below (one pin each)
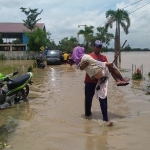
(12, 74)
(15, 73)
(6, 78)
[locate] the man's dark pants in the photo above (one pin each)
(89, 93)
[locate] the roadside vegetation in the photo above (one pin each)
(17, 67)
(5, 131)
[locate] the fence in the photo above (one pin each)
(20, 54)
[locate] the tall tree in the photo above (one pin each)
(36, 39)
(52, 45)
(31, 14)
(88, 34)
(67, 45)
(121, 17)
(103, 35)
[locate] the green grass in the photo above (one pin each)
(8, 69)
(17, 67)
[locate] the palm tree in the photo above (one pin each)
(103, 35)
(87, 33)
(121, 17)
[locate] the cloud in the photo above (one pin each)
(62, 18)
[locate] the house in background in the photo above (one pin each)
(15, 31)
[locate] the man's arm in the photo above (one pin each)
(109, 65)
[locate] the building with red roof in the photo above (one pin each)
(16, 31)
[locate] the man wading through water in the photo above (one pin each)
(90, 84)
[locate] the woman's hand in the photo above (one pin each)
(84, 65)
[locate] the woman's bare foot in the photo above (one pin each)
(122, 83)
(126, 79)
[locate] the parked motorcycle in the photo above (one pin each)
(16, 89)
(40, 63)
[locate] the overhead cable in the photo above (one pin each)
(132, 4)
(128, 6)
(139, 8)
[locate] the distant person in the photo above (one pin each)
(65, 55)
(70, 59)
(45, 51)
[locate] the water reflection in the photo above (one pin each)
(137, 83)
(53, 74)
(96, 141)
(18, 111)
(27, 113)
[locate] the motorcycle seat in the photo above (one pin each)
(18, 81)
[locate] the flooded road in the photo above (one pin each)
(53, 117)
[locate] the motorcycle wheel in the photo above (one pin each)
(22, 94)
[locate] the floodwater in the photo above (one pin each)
(53, 117)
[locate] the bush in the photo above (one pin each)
(35, 64)
(137, 76)
(2, 57)
(30, 68)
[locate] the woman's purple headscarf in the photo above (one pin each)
(77, 54)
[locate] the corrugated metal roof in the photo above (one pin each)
(17, 27)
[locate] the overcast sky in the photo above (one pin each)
(62, 17)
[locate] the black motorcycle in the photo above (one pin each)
(40, 62)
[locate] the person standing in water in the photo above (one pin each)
(90, 84)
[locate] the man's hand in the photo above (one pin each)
(109, 65)
(84, 65)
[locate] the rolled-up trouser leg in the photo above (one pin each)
(103, 106)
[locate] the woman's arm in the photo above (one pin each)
(83, 65)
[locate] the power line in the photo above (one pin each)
(139, 8)
(140, 13)
(100, 25)
(126, 7)
(132, 4)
